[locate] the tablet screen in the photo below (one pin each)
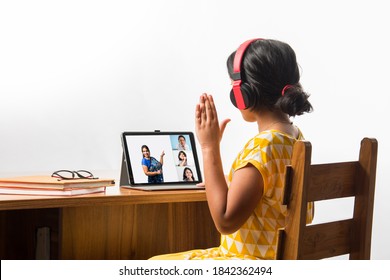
(161, 158)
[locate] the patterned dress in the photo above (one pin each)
(153, 165)
(269, 151)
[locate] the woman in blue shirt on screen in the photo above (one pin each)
(151, 166)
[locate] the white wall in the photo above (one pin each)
(75, 74)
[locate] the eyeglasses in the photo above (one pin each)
(69, 175)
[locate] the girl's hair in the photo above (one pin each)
(268, 66)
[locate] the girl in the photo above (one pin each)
(182, 156)
(246, 208)
(188, 175)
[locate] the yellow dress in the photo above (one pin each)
(269, 151)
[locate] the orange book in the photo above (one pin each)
(48, 182)
(56, 192)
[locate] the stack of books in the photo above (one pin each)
(47, 185)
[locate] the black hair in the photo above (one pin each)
(146, 147)
(268, 66)
(184, 173)
(181, 152)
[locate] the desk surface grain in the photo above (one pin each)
(112, 196)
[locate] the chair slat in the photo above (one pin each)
(326, 240)
(332, 180)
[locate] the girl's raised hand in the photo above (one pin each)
(208, 129)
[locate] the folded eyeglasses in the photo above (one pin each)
(70, 175)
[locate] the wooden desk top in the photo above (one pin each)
(113, 196)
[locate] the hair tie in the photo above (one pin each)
(286, 87)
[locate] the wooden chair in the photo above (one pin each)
(307, 182)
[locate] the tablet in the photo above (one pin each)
(160, 161)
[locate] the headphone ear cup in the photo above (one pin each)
(247, 96)
(233, 99)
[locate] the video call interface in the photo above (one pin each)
(178, 163)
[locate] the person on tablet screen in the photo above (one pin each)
(151, 166)
(187, 175)
(247, 207)
(182, 156)
(182, 145)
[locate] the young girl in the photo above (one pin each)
(188, 176)
(246, 208)
(182, 157)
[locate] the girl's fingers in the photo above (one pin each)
(222, 126)
(205, 110)
(212, 104)
(203, 115)
(209, 112)
(197, 113)
(213, 110)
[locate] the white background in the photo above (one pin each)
(75, 74)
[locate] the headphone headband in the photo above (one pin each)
(236, 91)
(238, 57)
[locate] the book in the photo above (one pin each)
(48, 182)
(55, 192)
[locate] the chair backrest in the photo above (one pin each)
(306, 182)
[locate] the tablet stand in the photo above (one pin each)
(124, 179)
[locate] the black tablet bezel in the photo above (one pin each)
(128, 160)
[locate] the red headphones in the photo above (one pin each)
(241, 94)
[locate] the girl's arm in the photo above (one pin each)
(229, 207)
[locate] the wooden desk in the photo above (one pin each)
(118, 224)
